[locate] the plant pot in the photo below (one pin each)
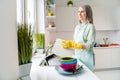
(24, 69)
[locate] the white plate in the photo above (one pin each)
(61, 71)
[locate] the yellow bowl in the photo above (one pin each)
(67, 59)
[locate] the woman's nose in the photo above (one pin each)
(80, 14)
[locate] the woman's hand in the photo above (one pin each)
(83, 46)
(71, 44)
(65, 44)
(68, 44)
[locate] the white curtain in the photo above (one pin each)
(32, 12)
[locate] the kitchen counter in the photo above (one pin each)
(49, 73)
(107, 57)
(106, 47)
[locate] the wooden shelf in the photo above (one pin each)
(50, 16)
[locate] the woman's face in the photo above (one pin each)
(82, 14)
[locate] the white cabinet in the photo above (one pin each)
(116, 17)
(107, 57)
(102, 58)
(65, 18)
(105, 18)
(115, 59)
(99, 18)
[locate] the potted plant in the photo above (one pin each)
(25, 47)
(39, 40)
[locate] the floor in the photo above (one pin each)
(103, 75)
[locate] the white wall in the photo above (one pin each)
(113, 36)
(8, 40)
(51, 36)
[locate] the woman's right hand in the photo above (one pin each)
(78, 46)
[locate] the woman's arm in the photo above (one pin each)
(89, 37)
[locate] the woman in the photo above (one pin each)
(85, 34)
(84, 37)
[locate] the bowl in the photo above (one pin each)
(68, 63)
(68, 67)
(66, 59)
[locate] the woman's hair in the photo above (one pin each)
(89, 13)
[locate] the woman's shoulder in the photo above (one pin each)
(77, 26)
(91, 26)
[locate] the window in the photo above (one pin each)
(26, 12)
(31, 12)
(20, 11)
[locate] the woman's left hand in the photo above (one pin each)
(65, 44)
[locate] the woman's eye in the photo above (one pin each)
(81, 11)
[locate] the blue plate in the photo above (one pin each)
(61, 71)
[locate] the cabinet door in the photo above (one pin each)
(116, 17)
(106, 18)
(100, 20)
(65, 18)
(102, 58)
(115, 57)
